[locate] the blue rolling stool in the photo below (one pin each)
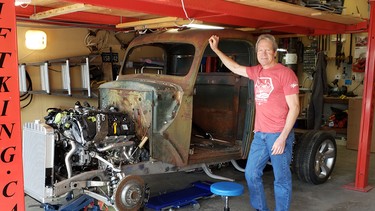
(226, 189)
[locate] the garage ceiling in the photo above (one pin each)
(252, 15)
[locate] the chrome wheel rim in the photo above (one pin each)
(325, 158)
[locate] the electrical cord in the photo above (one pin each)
(54, 70)
(28, 103)
(29, 87)
(27, 95)
(96, 43)
(186, 14)
(183, 8)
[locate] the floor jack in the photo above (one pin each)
(81, 203)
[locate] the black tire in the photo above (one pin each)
(315, 157)
(298, 155)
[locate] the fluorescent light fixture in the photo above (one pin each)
(21, 2)
(282, 50)
(36, 39)
(202, 26)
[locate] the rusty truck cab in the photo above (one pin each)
(189, 105)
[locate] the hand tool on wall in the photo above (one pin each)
(350, 58)
(339, 54)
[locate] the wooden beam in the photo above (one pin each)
(23, 14)
(60, 11)
(178, 23)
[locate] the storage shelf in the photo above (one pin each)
(336, 129)
(335, 100)
(302, 11)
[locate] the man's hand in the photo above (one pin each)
(279, 146)
(214, 40)
(228, 62)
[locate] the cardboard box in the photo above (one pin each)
(354, 122)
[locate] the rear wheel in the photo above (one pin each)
(315, 157)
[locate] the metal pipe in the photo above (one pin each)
(115, 145)
(210, 174)
(80, 131)
(68, 164)
(95, 155)
(236, 166)
(127, 156)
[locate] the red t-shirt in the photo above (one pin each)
(270, 88)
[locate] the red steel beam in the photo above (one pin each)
(213, 11)
(363, 162)
(11, 172)
(350, 29)
(365, 132)
(217, 8)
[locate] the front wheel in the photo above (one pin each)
(130, 193)
(315, 157)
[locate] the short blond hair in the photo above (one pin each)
(267, 37)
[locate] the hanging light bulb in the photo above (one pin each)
(36, 39)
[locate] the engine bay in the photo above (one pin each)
(87, 148)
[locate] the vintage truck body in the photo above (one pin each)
(173, 107)
(177, 98)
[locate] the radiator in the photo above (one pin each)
(38, 160)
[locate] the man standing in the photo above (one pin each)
(277, 108)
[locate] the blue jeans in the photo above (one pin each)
(260, 154)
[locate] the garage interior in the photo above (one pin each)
(84, 48)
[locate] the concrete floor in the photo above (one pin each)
(330, 196)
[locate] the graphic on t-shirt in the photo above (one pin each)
(263, 89)
(293, 85)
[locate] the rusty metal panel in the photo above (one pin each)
(159, 112)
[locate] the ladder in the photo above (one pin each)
(65, 71)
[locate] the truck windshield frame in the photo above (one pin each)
(160, 58)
